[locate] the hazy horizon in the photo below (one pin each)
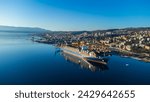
(71, 30)
(75, 15)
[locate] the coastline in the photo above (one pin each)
(132, 55)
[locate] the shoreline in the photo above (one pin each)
(132, 55)
(124, 52)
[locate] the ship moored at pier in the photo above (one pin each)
(90, 57)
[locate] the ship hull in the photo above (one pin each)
(96, 61)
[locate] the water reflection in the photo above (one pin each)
(83, 63)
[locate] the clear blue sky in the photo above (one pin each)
(75, 14)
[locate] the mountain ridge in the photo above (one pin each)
(4, 28)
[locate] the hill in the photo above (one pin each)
(22, 29)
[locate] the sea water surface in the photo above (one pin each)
(23, 62)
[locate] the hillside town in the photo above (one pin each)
(128, 42)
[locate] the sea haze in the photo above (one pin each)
(23, 62)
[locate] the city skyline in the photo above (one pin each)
(75, 15)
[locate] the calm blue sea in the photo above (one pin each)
(23, 62)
